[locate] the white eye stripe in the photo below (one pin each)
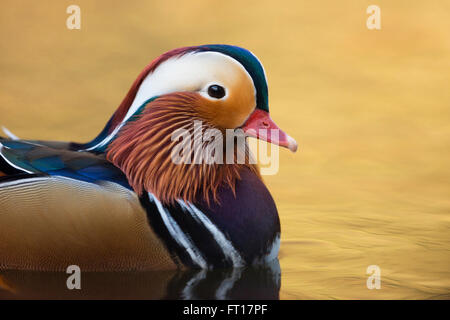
(187, 72)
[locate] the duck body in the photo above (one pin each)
(120, 202)
(72, 207)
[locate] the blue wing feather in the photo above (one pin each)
(38, 159)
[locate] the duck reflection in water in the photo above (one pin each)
(255, 282)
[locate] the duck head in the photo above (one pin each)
(219, 86)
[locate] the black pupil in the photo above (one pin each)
(216, 91)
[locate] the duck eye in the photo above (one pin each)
(216, 91)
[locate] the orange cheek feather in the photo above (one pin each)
(232, 112)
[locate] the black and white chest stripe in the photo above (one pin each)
(190, 235)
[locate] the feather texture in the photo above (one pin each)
(144, 146)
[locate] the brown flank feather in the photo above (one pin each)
(143, 151)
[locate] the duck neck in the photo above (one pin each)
(159, 151)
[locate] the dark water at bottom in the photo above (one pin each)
(262, 282)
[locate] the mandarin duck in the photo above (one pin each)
(120, 202)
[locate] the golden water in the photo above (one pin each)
(370, 184)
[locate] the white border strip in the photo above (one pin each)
(10, 163)
(225, 244)
(178, 234)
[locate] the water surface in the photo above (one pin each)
(370, 183)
